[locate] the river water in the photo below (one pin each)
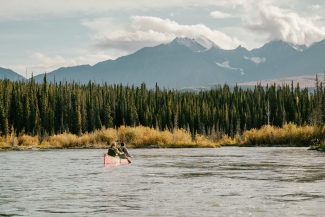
(229, 181)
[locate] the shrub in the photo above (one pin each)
(289, 134)
(105, 136)
(64, 140)
(26, 140)
(3, 143)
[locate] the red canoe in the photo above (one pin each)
(114, 160)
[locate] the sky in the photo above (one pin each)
(39, 36)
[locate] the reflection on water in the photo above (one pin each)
(227, 181)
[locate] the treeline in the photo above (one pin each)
(32, 108)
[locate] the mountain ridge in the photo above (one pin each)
(185, 62)
(9, 74)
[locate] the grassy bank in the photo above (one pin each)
(145, 137)
(137, 137)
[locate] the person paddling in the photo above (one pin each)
(113, 151)
(125, 150)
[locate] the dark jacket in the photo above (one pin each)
(125, 150)
(113, 152)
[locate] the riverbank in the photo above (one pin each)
(320, 148)
(289, 135)
(134, 137)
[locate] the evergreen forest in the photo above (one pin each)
(35, 108)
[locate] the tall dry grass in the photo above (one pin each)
(289, 135)
(140, 137)
(144, 137)
(135, 137)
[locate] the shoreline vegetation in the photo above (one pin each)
(290, 135)
(65, 114)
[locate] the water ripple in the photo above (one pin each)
(164, 182)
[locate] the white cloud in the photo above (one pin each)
(41, 63)
(314, 7)
(49, 63)
(287, 26)
(246, 5)
(149, 31)
(100, 24)
(31, 9)
(219, 15)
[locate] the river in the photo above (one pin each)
(228, 181)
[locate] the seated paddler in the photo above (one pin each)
(125, 150)
(114, 152)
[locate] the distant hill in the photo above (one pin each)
(186, 62)
(9, 74)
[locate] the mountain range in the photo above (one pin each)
(186, 62)
(9, 74)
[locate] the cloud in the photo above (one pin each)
(50, 63)
(41, 63)
(288, 26)
(219, 15)
(150, 31)
(314, 7)
(31, 9)
(99, 24)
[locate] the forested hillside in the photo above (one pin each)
(35, 108)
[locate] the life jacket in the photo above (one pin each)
(111, 152)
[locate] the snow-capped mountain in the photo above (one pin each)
(192, 44)
(199, 62)
(198, 44)
(205, 42)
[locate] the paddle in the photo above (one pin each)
(125, 155)
(127, 158)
